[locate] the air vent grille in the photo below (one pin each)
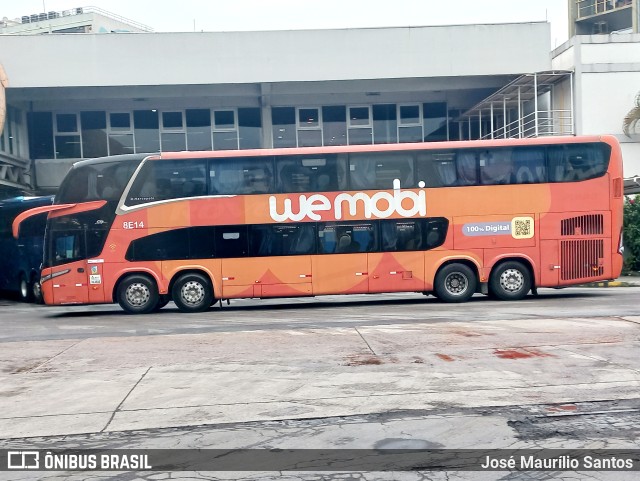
(581, 259)
(583, 225)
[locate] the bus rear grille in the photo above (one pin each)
(583, 225)
(581, 259)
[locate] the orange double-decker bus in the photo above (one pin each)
(500, 217)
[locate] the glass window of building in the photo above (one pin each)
(173, 135)
(385, 124)
(309, 127)
(67, 136)
(250, 128)
(360, 128)
(146, 129)
(225, 130)
(435, 121)
(40, 135)
(410, 123)
(120, 133)
(94, 134)
(334, 125)
(198, 123)
(284, 126)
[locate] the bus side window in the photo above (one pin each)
(529, 165)
(466, 164)
(236, 176)
(496, 166)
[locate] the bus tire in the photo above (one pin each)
(510, 281)
(455, 283)
(25, 292)
(137, 294)
(36, 289)
(192, 293)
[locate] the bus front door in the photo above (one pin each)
(71, 272)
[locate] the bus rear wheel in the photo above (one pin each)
(137, 294)
(510, 281)
(192, 293)
(455, 283)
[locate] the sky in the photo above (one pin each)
(238, 15)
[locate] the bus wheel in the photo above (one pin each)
(36, 289)
(455, 283)
(192, 293)
(510, 281)
(25, 289)
(137, 294)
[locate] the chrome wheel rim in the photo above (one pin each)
(138, 294)
(512, 280)
(456, 283)
(192, 293)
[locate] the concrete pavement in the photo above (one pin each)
(102, 385)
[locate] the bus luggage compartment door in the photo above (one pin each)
(396, 272)
(287, 276)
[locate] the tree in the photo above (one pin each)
(631, 233)
(631, 120)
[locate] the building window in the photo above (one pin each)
(198, 129)
(334, 125)
(94, 134)
(309, 126)
(67, 136)
(435, 121)
(173, 135)
(359, 122)
(10, 137)
(385, 124)
(225, 130)
(146, 129)
(283, 120)
(410, 123)
(250, 128)
(120, 133)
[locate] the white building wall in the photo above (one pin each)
(279, 56)
(606, 82)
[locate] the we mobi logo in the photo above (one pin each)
(381, 205)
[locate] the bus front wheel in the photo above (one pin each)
(138, 294)
(510, 281)
(455, 283)
(192, 293)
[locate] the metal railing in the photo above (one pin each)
(545, 123)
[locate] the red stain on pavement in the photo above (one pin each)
(520, 353)
(444, 357)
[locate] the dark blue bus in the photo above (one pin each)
(20, 258)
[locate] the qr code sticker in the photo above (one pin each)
(522, 227)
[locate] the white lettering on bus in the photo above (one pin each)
(381, 205)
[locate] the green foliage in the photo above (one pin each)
(632, 234)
